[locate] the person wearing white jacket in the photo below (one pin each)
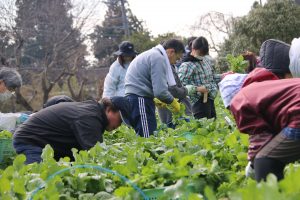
(114, 80)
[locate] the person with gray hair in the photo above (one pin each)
(10, 79)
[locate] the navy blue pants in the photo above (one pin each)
(143, 115)
(32, 153)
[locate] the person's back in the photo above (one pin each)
(140, 74)
(57, 126)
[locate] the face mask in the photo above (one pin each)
(5, 96)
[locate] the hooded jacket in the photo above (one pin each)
(264, 106)
(274, 56)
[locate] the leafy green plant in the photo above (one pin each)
(237, 64)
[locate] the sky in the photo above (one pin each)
(177, 16)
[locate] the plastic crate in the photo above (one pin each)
(158, 193)
(154, 194)
(6, 149)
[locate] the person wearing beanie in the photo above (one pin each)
(114, 81)
(267, 109)
(70, 125)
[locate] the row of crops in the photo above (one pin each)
(200, 159)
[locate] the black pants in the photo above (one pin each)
(264, 166)
(201, 110)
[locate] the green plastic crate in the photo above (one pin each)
(6, 149)
(154, 194)
(158, 193)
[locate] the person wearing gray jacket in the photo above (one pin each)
(147, 78)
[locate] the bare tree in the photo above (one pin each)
(214, 26)
(62, 52)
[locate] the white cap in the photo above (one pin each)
(229, 86)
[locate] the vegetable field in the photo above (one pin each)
(200, 159)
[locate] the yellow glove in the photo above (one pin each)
(159, 103)
(175, 105)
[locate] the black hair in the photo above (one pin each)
(201, 43)
(190, 42)
(122, 61)
(175, 44)
(107, 104)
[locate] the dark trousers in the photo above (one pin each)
(32, 153)
(143, 115)
(201, 110)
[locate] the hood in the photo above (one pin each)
(259, 75)
(274, 56)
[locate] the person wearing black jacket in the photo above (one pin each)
(70, 125)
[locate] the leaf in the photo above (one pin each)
(5, 185)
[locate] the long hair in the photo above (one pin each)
(121, 60)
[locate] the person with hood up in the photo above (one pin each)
(267, 109)
(114, 84)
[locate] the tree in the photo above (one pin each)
(106, 37)
(49, 40)
(277, 19)
(214, 26)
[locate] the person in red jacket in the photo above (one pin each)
(268, 110)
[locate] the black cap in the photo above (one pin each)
(122, 104)
(57, 99)
(126, 49)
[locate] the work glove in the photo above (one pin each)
(249, 171)
(191, 89)
(159, 103)
(175, 105)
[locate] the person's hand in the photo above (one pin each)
(226, 73)
(175, 105)
(191, 89)
(159, 103)
(202, 89)
(249, 171)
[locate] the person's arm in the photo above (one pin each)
(185, 73)
(111, 81)
(159, 80)
(88, 132)
(251, 122)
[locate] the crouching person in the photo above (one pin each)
(70, 125)
(266, 108)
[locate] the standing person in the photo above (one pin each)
(114, 80)
(180, 92)
(10, 80)
(70, 125)
(196, 70)
(148, 77)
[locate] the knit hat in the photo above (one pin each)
(295, 58)
(230, 86)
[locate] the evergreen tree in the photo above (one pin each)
(106, 37)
